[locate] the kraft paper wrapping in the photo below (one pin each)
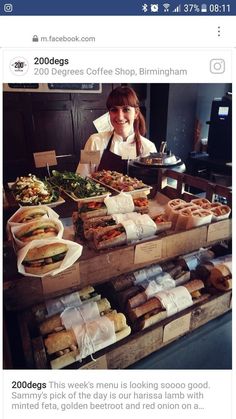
(184, 216)
(73, 253)
(172, 204)
(174, 212)
(19, 243)
(119, 204)
(200, 201)
(221, 212)
(199, 217)
(175, 300)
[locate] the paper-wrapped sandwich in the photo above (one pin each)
(163, 304)
(47, 256)
(119, 204)
(81, 331)
(43, 259)
(40, 229)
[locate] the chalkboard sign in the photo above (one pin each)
(23, 85)
(82, 87)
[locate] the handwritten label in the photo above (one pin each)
(90, 157)
(45, 158)
(177, 328)
(98, 364)
(66, 279)
(147, 252)
(103, 123)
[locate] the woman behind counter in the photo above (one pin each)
(126, 138)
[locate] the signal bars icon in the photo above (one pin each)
(177, 9)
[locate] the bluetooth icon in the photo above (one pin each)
(144, 7)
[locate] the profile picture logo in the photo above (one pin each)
(19, 66)
(8, 7)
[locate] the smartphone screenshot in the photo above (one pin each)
(117, 208)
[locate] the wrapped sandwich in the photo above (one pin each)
(35, 230)
(47, 256)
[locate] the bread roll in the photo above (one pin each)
(52, 323)
(29, 214)
(65, 338)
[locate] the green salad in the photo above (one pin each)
(76, 185)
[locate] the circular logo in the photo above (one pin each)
(19, 66)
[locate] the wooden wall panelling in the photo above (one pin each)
(35, 122)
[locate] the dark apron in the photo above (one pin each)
(111, 161)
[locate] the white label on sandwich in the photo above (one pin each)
(119, 218)
(162, 282)
(140, 228)
(56, 305)
(119, 204)
(94, 336)
(92, 332)
(73, 316)
(175, 300)
(143, 274)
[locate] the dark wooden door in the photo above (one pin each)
(35, 122)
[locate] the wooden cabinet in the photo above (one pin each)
(35, 122)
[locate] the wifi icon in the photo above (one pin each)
(166, 7)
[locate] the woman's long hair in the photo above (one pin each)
(126, 96)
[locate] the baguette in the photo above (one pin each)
(92, 209)
(54, 323)
(141, 205)
(42, 310)
(123, 282)
(221, 278)
(153, 303)
(72, 356)
(29, 214)
(94, 224)
(64, 339)
(109, 237)
(142, 297)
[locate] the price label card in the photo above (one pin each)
(90, 157)
(45, 158)
(103, 123)
(177, 328)
(63, 281)
(147, 252)
(99, 364)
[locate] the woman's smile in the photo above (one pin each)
(122, 119)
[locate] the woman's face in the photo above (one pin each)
(122, 119)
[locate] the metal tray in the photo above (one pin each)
(143, 163)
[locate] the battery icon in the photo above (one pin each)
(204, 8)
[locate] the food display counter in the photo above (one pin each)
(25, 295)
